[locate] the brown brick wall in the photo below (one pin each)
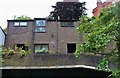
(19, 35)
(67, 35)
(56, 36)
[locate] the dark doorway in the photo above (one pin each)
(22, 46)
(71, 47)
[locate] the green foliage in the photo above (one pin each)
(15, 51)
(23, 17)
(115, 74)
(1, 59)
(103, 65)
(100, 32)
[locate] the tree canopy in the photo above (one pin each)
(67, 11)
(100, 31)
(23, 17)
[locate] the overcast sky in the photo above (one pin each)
(32, 8)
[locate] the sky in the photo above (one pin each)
(33, 8)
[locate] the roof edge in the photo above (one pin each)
(2, 30)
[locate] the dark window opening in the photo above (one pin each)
(23, 46)
(71, 47)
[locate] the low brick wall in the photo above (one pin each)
(64, 59)
(59, 60)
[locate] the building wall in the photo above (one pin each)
(2, 37)
(101, 5)
(56, 37)
(67, 35)
(19, 34)
(49, 37)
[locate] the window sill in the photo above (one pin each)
(67, 26)
(40, 32)
(42, 53)
(20, 26)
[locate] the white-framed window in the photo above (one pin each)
(20, 23)
(16, 23)
(41, 48)
(40, 29)
(23, 23)
(40, 22)
(67, 24)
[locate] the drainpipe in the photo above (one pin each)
(33, 36)
(57, 34)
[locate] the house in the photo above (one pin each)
(100, 5)
(39, 34)
(45, 35)
(2, 36)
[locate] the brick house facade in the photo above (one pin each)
(54, 36)
(100, 5)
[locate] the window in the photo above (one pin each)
(23, 46)
(71, 47)
(42, 48)
(66, 24)
(40, 22)
(20, 23)
(23, 23)
(16, 23)
(40, 26)
(41, 29)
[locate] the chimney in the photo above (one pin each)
(70, 0)
(99, 3)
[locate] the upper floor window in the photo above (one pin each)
(23, 23)
(67, 24)
(20, 23)
(40, 22)
(16, 23)
(40, 29)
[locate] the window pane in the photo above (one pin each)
(63, 23)
(40, 23)
(66, 24)
(41, 29)
(16, 23)
(37, 48)
(70, 23)
(41, 49)
(45, 47)
(23, 23)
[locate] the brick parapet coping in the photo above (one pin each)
(49, 67)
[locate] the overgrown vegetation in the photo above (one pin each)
(15, 57)
(23, 17)
(99, 33)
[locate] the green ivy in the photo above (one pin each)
(100, 32)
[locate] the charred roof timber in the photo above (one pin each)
(68, 10)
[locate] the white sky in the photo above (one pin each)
(32, 8)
